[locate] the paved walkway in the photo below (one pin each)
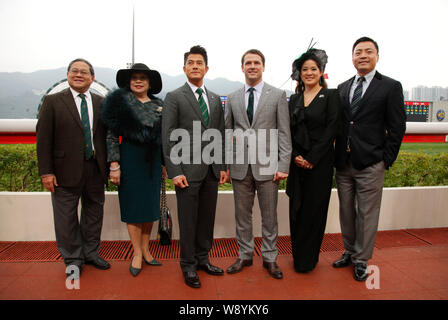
(404, 271)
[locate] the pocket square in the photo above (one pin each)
(321, 96)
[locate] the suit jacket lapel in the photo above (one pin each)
(345, 92)
(212, 104)
(373, 86)
(193, 102)
(69, 101)
(263, 97)
(242, 104)
(96, 112)
(371, 89)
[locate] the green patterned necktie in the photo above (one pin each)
(203, 106)
(88, 150)
(250, 105)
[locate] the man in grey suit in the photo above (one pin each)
(71, 154)
(258, 114)
(187, 113)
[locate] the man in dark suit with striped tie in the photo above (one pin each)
(71, 154)
(193, 109)
(373, 123)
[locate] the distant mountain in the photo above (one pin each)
(21, 93)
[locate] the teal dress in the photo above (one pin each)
(139, 154)
(139, 190)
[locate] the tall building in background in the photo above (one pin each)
(422, 93)
(406, 95)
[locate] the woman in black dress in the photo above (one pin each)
(314, 113)
(133, 113)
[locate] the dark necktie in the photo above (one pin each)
(250, 105)
(203, 106)
(88, 150)
(357, 95)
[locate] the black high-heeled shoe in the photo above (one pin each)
(134, 271)
(153, 262)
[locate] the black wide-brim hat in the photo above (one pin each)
(155, 80)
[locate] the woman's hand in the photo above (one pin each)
(115, 173)
(302, 163)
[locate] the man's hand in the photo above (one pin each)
(223, 177)
(280, 175)
(164, 173)
(49, 182)
(228, 180)
(180, 181)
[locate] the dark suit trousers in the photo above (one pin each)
(79, 240)
(196, 207)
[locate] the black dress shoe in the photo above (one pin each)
(344, 261)
(211, 269)
(360, 272)
(192, 279)
(134, 271)
(238, 265)
(99, 263)
(153, 262)
(273, 269)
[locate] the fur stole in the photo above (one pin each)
(124, 115)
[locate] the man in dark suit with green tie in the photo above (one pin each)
(71, 153)
(193, 109)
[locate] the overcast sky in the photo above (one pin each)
(46, 34)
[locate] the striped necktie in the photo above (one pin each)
(88, 149)
(250, 105)
(357, 95)
(203, 106)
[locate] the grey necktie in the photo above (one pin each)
(357, 95)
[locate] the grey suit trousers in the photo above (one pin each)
(360, 193)
(79, 240)
(244, 194)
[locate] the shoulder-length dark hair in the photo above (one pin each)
(298, 64)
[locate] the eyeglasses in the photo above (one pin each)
(84, 73)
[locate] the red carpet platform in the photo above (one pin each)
(409, 264)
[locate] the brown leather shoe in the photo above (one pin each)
(238, 265)
(273, 269)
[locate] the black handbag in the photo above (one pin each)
(165, 223)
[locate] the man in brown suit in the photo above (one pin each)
(71, 154)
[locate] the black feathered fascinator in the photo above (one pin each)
(311, 52)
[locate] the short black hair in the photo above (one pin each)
(196, 50)
(365, 39)
(253, 51)
(92, 72)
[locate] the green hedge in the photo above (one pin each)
(18, 170)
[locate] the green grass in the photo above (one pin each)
(427, 148)
(418, 164)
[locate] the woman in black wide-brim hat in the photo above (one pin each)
(314, 114)
(134, 114)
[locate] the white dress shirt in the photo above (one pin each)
(365, 84)
(257, 94)
(204, 94)
(78, 101)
